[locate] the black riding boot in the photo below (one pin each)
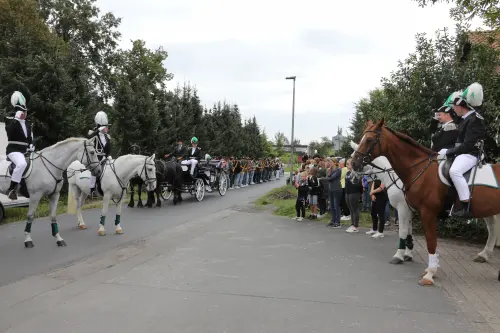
(464, 210)
(12, 191)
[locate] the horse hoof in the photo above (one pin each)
(61, 243)
(29, 244)
(408, 258)
(119, 231)
(158, 204)
(479, 259)
(131, 205)
(102, 233)
(82, 226)
(425, 282)
(396, 261)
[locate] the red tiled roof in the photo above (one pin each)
(490, 38)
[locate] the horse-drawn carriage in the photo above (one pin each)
(213, 173)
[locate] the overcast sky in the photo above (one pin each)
(242, 51)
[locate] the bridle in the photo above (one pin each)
(368, 157)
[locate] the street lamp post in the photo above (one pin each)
(292, 146)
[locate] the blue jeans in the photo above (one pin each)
(237, 178)
(250, 178)
(245, 177)
(335, 199)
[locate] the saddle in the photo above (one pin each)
(481, 174)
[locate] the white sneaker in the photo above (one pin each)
(295, 218)
(352, 229)
(208, 189)
(300, 219)
(345, 218)
(378, 235)
(371, 232)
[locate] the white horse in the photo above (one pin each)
(115, 177)
(397, 200)
(44, 177)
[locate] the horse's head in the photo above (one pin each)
(370, 147)
(148, 172)
(89, 157)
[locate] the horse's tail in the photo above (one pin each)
(72, 172)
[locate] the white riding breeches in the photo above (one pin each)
(191, 162)
(92, 181)
(18, 159)
(461, 165)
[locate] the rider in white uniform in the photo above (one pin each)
(20, 140)
(471, 130)
(103, 142)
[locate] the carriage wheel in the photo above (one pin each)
(165, 193)
(199, 188)
(223, 184)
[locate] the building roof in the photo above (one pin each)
(488, 38)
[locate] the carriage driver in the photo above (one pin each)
(20, 139)
(102, 144)
(192, 157)
(471, 130)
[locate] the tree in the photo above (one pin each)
(423, 81)
(280, 140)
(466, 10)
(324, 146)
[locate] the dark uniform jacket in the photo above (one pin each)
(471, 130)
(98, 146)
(17, 141)
(445, 137)
(197, 153)
(178, 151)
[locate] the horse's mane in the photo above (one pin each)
(412, 142)
(60, 143)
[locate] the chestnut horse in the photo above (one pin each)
(417, 166)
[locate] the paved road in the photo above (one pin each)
(234, 270)
(17, 262)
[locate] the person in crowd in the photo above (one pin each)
(353, 190)
(366, 195)
(343, 205)
(314, 190)
(379, 201)
(334, 192)
(302, 186)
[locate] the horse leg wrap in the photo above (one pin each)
(402, 244)
(55, 228)
(28, 224)
(409, 242)
(117, 220)
(103, 220)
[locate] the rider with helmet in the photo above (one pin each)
(20, 140)
(471, 130)
(447, 134)
(102, 144)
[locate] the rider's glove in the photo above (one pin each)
(442, 152)
(110, 158)
(31, 148)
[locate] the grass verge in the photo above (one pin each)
(283, 199)
(15, 214)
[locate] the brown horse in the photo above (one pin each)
(417, 166)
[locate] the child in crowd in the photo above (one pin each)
(303, 190)
(315, 190)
